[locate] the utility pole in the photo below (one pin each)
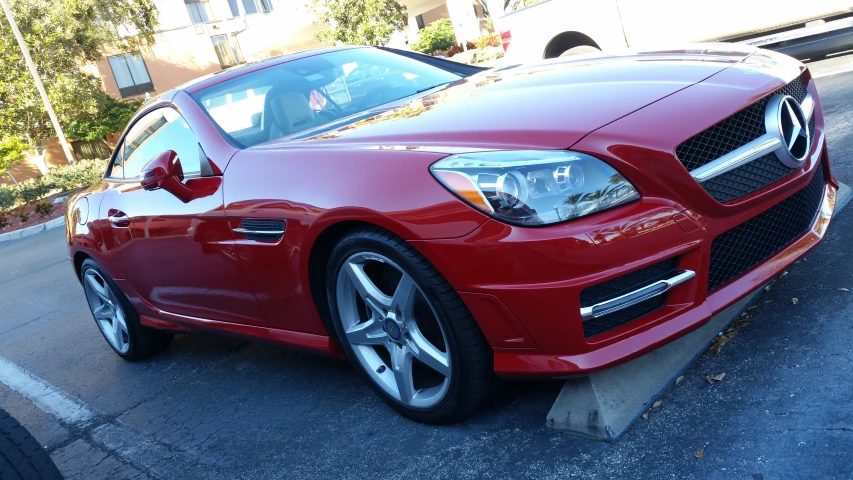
(37, 79)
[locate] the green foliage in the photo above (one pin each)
(110, 116)
(62, 35)
(358, 22)
(11, 152)
(34, 189)
(43, 208)
(488, 40)
(9, 197)
(479, 55)
(23, 214)
(81, 174)
(438, 35)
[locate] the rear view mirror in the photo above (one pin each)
(162, 171)
(165, 172)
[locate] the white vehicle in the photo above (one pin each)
(553, 28)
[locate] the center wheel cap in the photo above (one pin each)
(393, 329)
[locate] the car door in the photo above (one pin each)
(176, 254)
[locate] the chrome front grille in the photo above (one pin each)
(731, 134)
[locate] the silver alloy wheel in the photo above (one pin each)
(107, 311)
(374, 320)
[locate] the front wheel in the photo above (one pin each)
(405, 328)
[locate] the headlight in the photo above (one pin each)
(530, 187)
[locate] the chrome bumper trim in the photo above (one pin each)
(635, 297)
(265, 233)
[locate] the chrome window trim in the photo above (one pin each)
(637, 296)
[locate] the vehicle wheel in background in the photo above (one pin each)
(116, 317)
(406, 329)
(580, 50)
(22, 456)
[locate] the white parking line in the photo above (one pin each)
(834, 72)
(47, 397)
(136, 448)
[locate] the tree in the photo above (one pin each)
(358, 22)
(111, 116)
(438, 35)
(62, 35)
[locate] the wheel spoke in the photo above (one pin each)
(117, 333)
(104, 312)
(401, 364)
(367, 333)
(377, 301)
(404, 296)
(427, 353)
(97, 288)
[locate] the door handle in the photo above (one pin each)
(118, 218)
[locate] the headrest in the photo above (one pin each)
(291, 112)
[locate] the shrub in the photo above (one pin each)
(488, 40)
(479, 55)
(34, 189)
(4, 219)
(43, 208)
(112, 116)
(438, 35)
(23, 214)
(81, 173)
(9, 196)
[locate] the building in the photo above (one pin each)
(198, 37)
(461, 12)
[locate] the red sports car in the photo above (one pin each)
(437, 223)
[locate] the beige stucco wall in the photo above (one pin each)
(183, 52)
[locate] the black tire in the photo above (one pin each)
(144, 341)
(21, 455)
(472, 371)
(579, 50)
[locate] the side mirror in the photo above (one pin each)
(162, 171)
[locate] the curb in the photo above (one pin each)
(26, 232)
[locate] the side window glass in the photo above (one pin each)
(158, 131)
(116, 170)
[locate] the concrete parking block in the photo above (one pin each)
(603, 405)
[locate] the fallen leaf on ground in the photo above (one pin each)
(767, 288)
(657, 404)
(717, 344)
(646, 415)
(794, 300)
(715, 378)
(700, 453)
(679, 379)
(843, 289)
(752, 307)
(783, 274)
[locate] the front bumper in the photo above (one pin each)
(523, 285)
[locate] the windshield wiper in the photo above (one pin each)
(430, 88)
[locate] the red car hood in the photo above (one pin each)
(547, 105)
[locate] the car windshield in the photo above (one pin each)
(305, 93)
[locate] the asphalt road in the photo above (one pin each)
(218, 408)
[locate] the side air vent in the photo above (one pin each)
(262, 230)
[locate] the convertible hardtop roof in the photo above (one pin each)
(212, 79)
(209, 80)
